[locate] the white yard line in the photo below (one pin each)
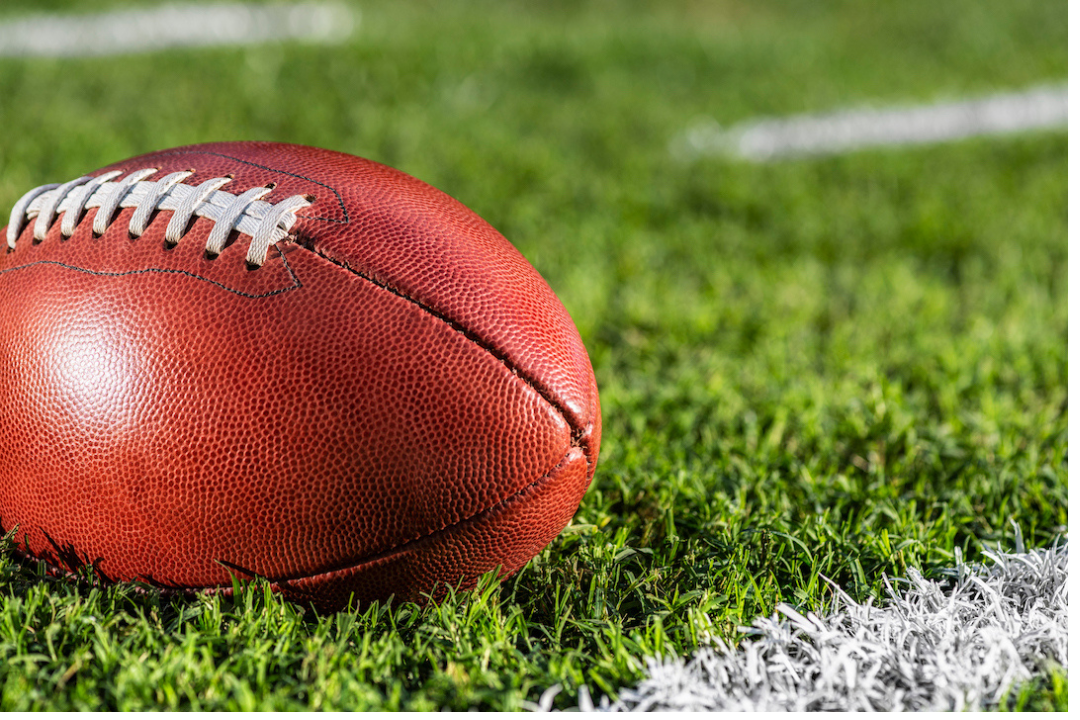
(967, 644)
(171, 26)
(1037, 108)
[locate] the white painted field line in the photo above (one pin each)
(968, 644)
(170, 26)
(1041, 107)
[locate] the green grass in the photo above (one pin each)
(841, 367)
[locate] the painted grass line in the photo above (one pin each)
(968, 644)
(1037, 108)
(174, 26)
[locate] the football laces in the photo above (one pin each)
(266, 223)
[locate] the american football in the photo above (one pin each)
(272, 361)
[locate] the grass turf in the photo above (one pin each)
(839, 367)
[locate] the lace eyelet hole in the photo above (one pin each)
(252, 267)
(211, 256)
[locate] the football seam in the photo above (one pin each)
(575, 432)
(404, 546)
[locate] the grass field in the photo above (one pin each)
(840, 367)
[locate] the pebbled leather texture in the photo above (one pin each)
(396, 401)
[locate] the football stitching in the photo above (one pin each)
(292, 275)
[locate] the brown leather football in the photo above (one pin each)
(269, 360)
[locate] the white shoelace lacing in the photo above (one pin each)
(266, 223)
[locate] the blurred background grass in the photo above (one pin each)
(842, 366)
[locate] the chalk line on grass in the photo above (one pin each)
(961, 644)
(1037, 108)
(171, 26)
